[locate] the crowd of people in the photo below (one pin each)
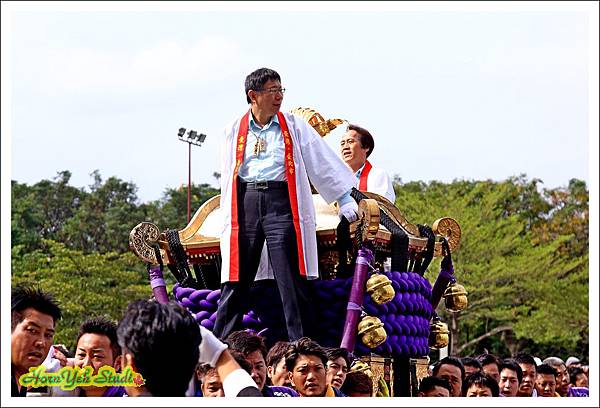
(241, 364)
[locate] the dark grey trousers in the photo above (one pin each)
(265, 214)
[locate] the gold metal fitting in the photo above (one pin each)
(438, 334)
(361, 366)
(455, 297)
(371, 331)
(380, 288)
(314, 118)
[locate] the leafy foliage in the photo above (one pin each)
(523, 255)
(536, 284)
(86, 285)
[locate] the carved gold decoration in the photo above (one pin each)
(393, 212)
(438, 334)
(140, 237)
(455, 297)
(380, 288)
(371, 331)
(368, 212)
(361, 366)
(314, 118)
(448, 228)
(421, 368)
(377, 368)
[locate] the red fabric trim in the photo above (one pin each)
(291, 180)
(234, 253)
(362, 184)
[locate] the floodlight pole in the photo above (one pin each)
(192, 134)
(189, 180)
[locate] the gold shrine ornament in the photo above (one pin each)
(380, 288)
(438, 334)
(455, 297)
(361, 366)
(371, 331)
(314, 118)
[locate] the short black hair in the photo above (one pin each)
(546, 369)
(483, 380)
(524, 358)
(512, 364)
(333, 353)
(257, 79)
(306, 347)
(366, 140)
(573, 373)
(471, 362)
(487, 358)
(101, 325)
(455, 361)
(276, 353)
(148, 330)
(357, 381)
(25, 297)
(246, 342)
(204, 369)
(429, 383)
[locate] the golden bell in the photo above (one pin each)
(361, 366)
(371, 331)
(380, 288)
(438, 334)
(455, 297)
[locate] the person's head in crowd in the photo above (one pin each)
(252, 347)
(146, 331)
(480, 385)
(276, 369)
(490, 365)
(434, 387)
(573, 362)
(472, 365)
(357, 384)
(306, 360)
(578, 377)
(97, 346)
(338, 363)
(33, 319)
(452, 369)
(239, 357)
(528, 368)
(545, 382)
(356, 146)
(210, 382)
(563, 381)
(511, 376)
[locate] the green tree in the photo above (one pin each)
(105, 217)
(512, 278)
(86, 285)
(40, 211)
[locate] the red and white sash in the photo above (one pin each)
(234, 255)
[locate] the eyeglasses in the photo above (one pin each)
(273, 91)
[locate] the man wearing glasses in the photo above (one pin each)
(268, 158)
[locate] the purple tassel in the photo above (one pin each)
(440, 285)
(157, 282)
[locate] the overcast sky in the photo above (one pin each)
(448, 93)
